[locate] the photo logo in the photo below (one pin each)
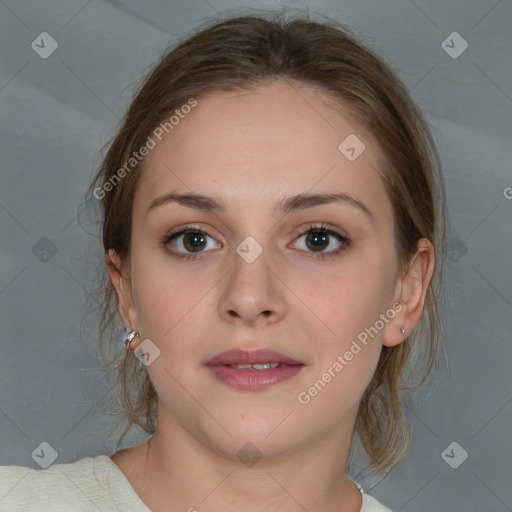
(454, 455)
(455, 249)
(45, 455)
(44, 45)
(44, 250)
(249, 454)
(147, 352)
(249, 250)
(351, 147)
(454, 45)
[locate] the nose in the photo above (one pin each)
(252, 294)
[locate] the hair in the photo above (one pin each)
(246, 51)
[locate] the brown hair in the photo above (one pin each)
(242, 52)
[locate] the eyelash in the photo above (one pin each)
(312, 228)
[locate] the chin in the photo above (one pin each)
(253, 436)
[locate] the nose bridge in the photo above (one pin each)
(250, 270)
(251, 289)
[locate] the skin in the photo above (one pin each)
(252, 149)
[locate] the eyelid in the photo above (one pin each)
(312, 227)
(343, 239)
(183, 230)
(322, 227)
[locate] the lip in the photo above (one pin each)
(248, 380)
(237, 356)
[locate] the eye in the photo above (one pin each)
(318, 239)
(189, 240)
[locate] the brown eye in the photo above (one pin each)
(194, 242)
(322, 241)
(317, 240)
(190, 240)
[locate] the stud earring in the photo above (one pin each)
(402, 331)
(129, 338)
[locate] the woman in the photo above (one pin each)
(272, 212)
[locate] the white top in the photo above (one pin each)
(89, 484)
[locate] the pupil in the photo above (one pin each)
(317, 240)
(194, 241)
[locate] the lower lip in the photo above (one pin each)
(257, 380)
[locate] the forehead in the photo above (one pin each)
(276, 139)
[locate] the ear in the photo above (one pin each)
(410, 294)
(122, 285)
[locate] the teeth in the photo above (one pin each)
(253, 367)
(265, 366)
(240, 366)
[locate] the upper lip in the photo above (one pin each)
(237, 356)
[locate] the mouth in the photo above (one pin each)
(237, 357)
(253, 371)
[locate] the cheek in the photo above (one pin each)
(346, 329)
(339, 386)
(349, 299)
(171, 303)
(346, 349)
(158, 298)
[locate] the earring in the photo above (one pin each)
(402, 331)
(129, 338)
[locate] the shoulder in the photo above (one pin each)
(23, 488)
(79, 486)
(58, 487)
(372, 505)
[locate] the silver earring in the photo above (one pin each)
(129, 338)
(402, 331)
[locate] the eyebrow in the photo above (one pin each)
(287, 205)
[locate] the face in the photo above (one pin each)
(257, 269)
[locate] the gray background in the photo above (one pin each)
(56, 115)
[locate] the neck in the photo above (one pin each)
(176, 468)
